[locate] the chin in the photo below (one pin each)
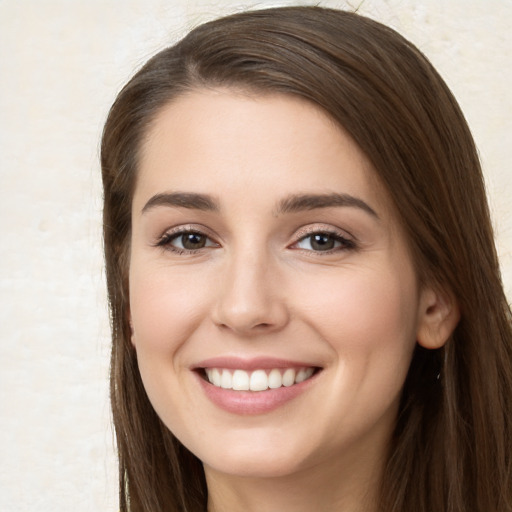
(256, 455)
(256, 465)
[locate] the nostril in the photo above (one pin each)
(239, 325)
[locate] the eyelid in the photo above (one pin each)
(311, 229)
(168, 234)
(347, 241)
(185, 228)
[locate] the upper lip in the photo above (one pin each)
(255, 363)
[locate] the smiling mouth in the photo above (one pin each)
(257, 380)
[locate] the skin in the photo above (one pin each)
(259, 287)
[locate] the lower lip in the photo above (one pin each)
(253, 402)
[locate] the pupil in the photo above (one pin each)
(193, 241)
(322, 242)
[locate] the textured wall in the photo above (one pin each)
(61, 64)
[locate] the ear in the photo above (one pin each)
(439, 314)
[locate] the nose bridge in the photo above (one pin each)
(249, 299)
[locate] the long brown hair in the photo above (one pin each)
(451, 449)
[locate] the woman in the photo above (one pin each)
(306, 303)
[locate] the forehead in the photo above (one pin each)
(222, 141)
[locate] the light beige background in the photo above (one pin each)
(61, 64)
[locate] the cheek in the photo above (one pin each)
(368, 317)
(165, 308)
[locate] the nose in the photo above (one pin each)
(250, 299)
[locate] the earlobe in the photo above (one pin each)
(439, 314)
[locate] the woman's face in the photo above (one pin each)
(265, 254)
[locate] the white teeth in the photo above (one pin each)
(303, 374)
(215, 377)
(240, 380)
(275, 380)
(258, 380)
(289, 377)
(226, 380)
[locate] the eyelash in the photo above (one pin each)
(345, 244)
(166, 241)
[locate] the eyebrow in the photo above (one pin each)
(292, 204)
(300, 202)
(189, 200)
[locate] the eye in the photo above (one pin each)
(324, 242)
(185, 241)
